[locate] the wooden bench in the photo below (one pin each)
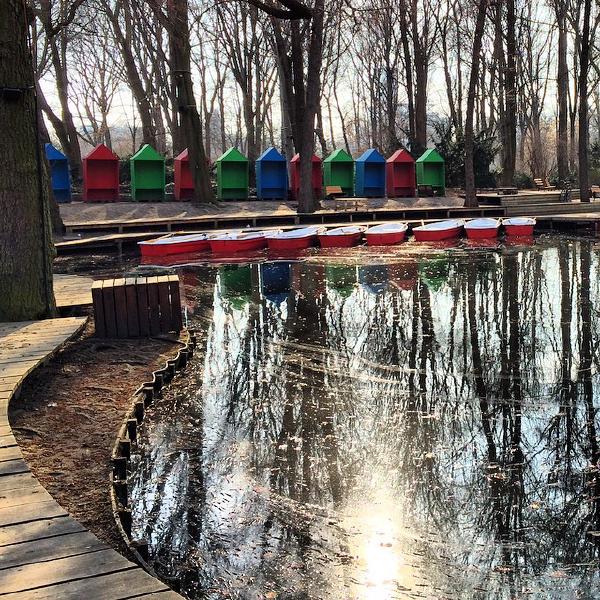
(335, 192)
(542, 184)
(137, 307)
(595, 191)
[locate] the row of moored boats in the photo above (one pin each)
(385, 234)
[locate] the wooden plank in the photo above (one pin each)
(114, 586)
(133, 322)
(153, 305)
(142, 302)
(20, 497)
(174, 291)
(99, 318)
(17, 481)
(47, 549)
(10, 453)
(109, 308)
(164, 300)
(30, 512)
(38, 530)
(6, 441)
(13, 467)
(166, 595)
(29, 577)
(120, 307)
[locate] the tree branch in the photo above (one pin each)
(296, 9)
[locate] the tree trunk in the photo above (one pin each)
(25, 240)
(509, 123)
(190, 122)
(470, 194)
(306, 200)
(562, 92)
(584, 126)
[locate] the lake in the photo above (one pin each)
(419, 422)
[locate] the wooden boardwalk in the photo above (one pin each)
(44, 553)
(72, 291)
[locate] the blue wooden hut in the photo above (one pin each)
(271, 175)
(59, 174)
(369, 177)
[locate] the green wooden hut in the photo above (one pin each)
(147, 175)
(232, 176)
(338, 169)
(431, 172)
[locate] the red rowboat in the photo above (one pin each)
(482, 229)
(521, 226)
(341, 237)
(237, 241)
(174, 244)
(293, 239)
(441, 230)
(386, 234)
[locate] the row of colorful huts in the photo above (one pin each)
(369, 176)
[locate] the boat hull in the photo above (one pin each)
(482, 233)
(436, 235)
(519, 230)
(344, 240)
(176, 248)
(299, 243)
(386, 239)
(233, 246)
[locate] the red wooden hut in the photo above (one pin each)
(400, 175)
(101, 175)
(184, 183)
(317, 176)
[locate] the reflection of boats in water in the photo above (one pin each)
(403, 275)
(386, 234)
(373, 278)
(514, 241)
(235, 284)
(434, 272)
(174, 244)
(340, 278)
(440, 230)
(275, 279)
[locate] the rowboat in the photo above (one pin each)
(440, 230)
(521, 226)
(479, 229)
(237, 241)
(293, 239)
(386, 234)
(174, 244)
(341, 237)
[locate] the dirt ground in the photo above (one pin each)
(67, 418)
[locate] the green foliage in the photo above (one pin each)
(594, 156)
(595, 176)
(523, 180)
(451, 145)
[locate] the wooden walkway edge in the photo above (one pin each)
(45, 553)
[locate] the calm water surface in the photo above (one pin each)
(410, 423)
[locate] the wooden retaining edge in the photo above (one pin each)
(142, 398)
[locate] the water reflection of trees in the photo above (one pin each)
(466, 395)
